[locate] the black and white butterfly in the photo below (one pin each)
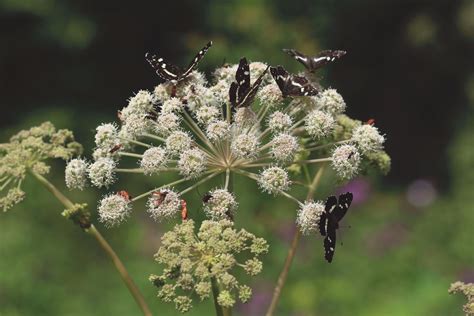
(292, 85)
(313, 63)
(241, 93)
(334, 211)
(171, 72)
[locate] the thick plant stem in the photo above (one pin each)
(292, 251)
(121, 270)
(103, 243)
(220, 310)
(215, 294)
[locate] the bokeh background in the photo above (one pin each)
(409, 66)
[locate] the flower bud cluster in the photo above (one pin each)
(193, 260)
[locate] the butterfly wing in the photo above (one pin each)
(300, 86)
(343, 205)
(250, 95)
(162, 68)
(329, 206)
(281, 77)
(196, 60)
(291, 85)
(242, 76)
(234, 86)
(302, 58)
(330, 240)
(323, 58)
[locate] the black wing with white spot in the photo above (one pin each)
(345, 201)
(292, 85)
(329, 206)
(334, 211)
(163, 69)
(330, 241)
(170, 72)
(313, 63)
(193, 64)
(241, 93)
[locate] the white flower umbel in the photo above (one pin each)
(172, 105)
(114, 209)
(245, 117)
(142, 101)
(106, 136)
(368, 138)
(279, 122)
(76, 174)
(135, 125)
(192, 163)
(274, 180)
(331, 101)
(164, 204)
(189, 132)
(166, 123)
(346, 160)
(309, 216)
(220, 204)
(140, 104)
(102, 172)
(244, 145)
(218, 130)
(284, 147)
(153, 159)
(206, 114)
(177, 142)
(270, 95)
(319, 124)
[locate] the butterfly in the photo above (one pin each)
(241, 93)
(313, 63)
(292, 85)
(334, 211)
(171, 72)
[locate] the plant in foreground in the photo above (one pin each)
(26, 154)
(468, 290)
(198, 130)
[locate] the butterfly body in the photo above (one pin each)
(313, 63)
(241, 92)
(170, 72)
(334, 211)
(292, 85)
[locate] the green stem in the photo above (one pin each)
(291, 252)
(215, 294)
(103, 243)
(220, 310)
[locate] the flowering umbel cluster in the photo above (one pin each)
(27, 151)
(197, 262)
(468, 290)
(191, 128)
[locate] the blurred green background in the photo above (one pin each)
(409, 66)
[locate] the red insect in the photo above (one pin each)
(115, 148)
(125, 195)
(159, 197)
(184, 210)
(371, 122)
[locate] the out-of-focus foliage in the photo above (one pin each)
(407, 66)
